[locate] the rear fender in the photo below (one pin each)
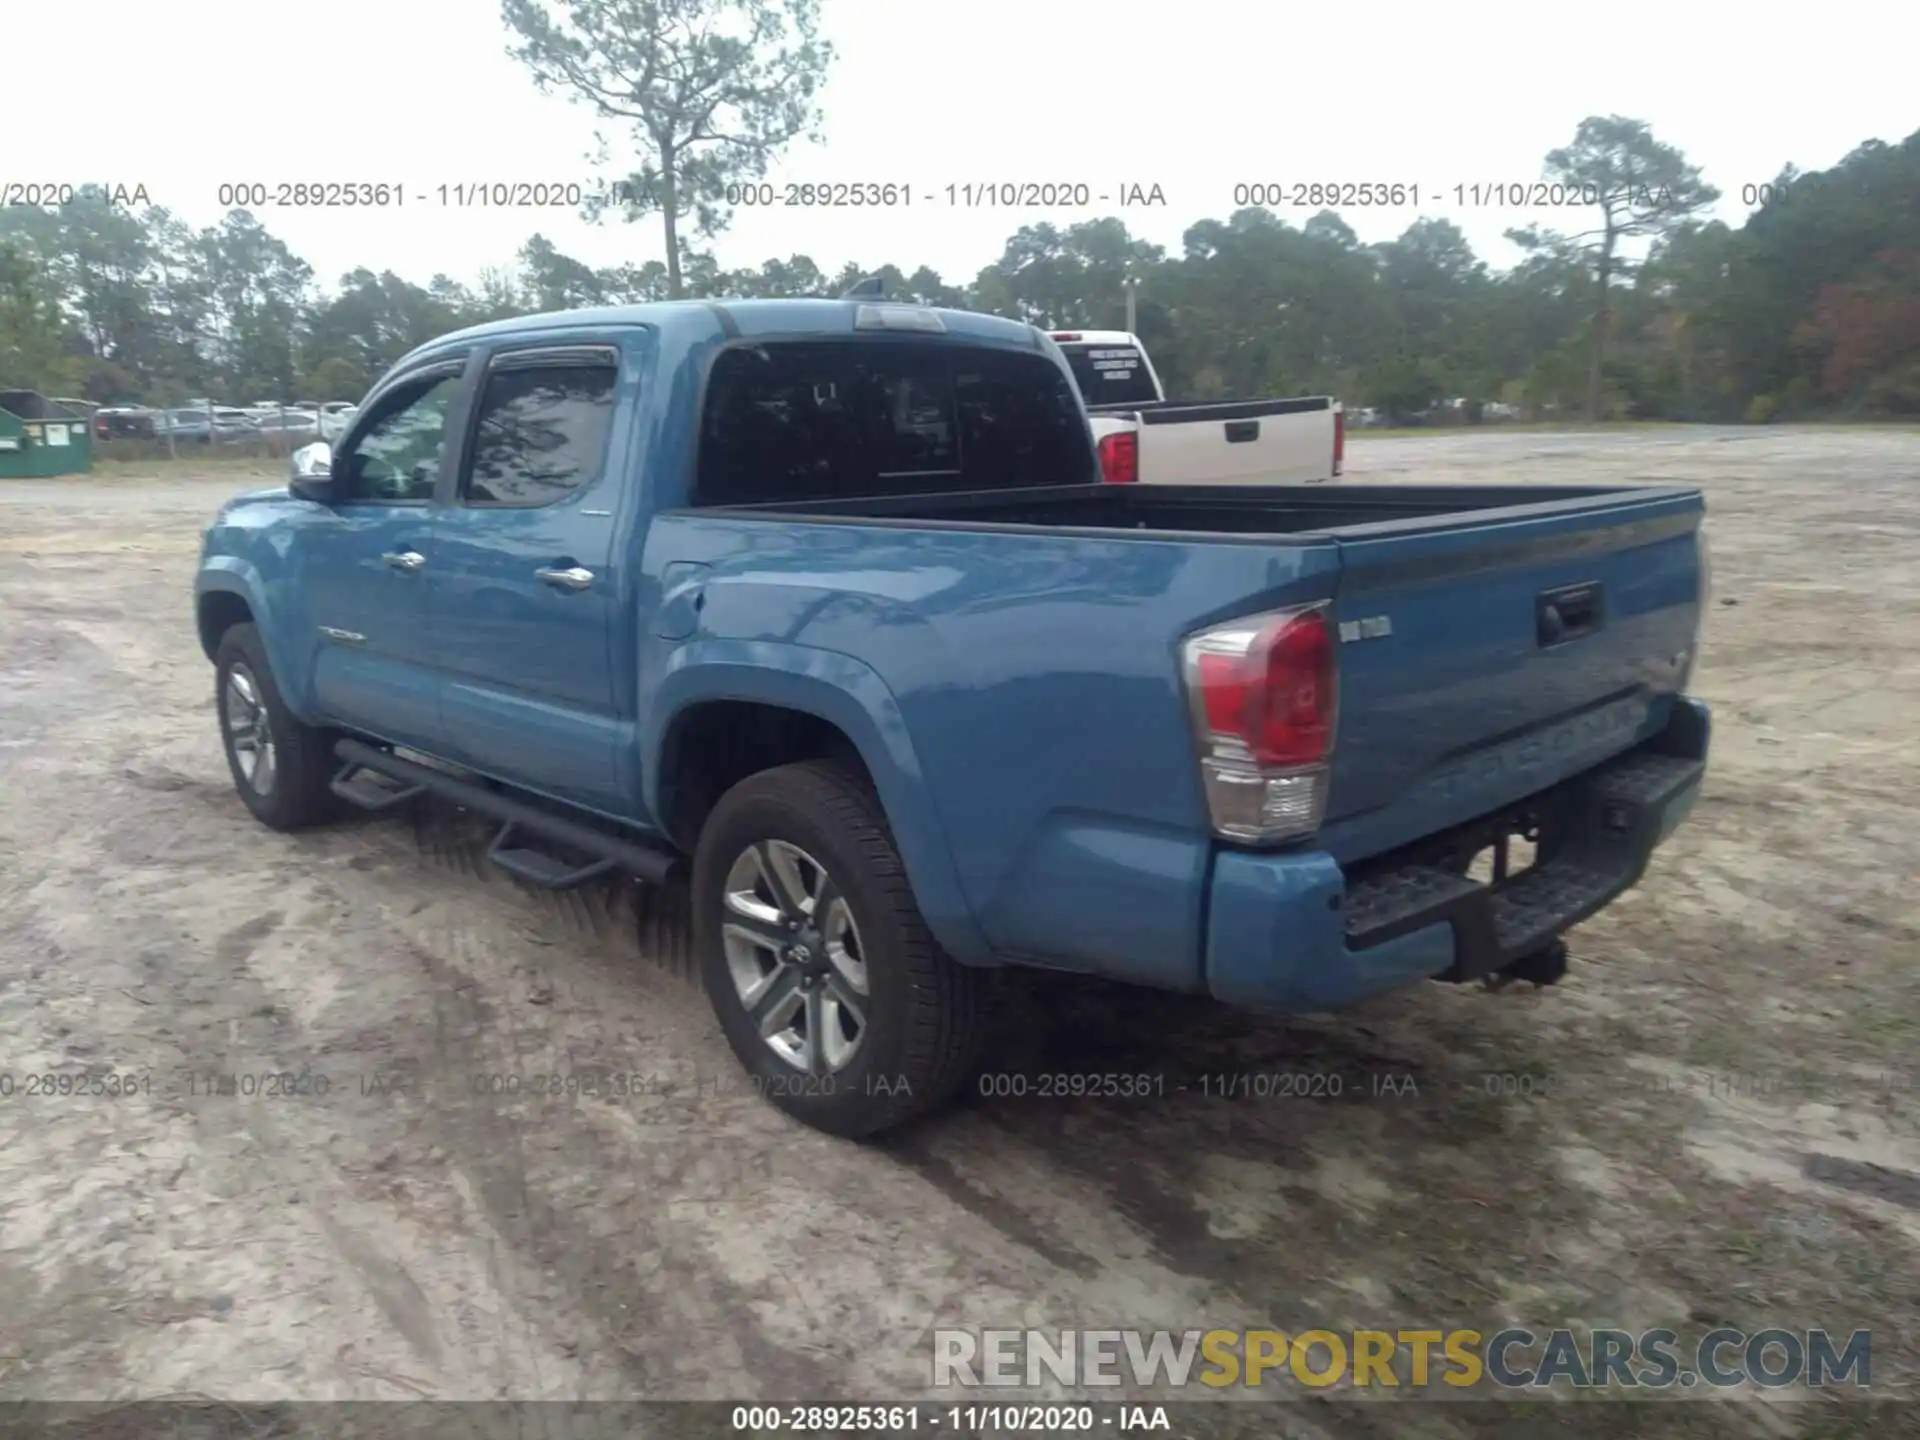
(848, 694)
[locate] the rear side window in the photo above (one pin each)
(836, 420)
(541, 433)
(1111, 374)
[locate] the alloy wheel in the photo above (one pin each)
(795, 957)
(249, 733)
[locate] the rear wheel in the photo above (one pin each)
(280, 766)
(830, 988)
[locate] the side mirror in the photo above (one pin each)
(310, 472)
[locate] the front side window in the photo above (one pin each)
(541, 433)
(396, 460)
(811, 420)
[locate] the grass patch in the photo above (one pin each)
(150, 458)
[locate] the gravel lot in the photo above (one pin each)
(1729, 1137)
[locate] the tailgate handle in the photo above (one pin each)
(1239, 432)
(1568, 613)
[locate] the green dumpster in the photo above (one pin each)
(40, 437)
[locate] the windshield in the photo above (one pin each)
(1111, 374)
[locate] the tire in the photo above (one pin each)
(921, 1014)
(285, 782)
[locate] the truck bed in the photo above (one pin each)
(1220, 510)
(1496, 638)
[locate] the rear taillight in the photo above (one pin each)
(1339, 441)
(1264, 693)
(1120, 458)
(1065, 337)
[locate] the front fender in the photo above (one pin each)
(849, 694)
(232, 575)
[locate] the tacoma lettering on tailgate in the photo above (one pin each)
(1574, 742)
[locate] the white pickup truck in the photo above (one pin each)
(1146, 438)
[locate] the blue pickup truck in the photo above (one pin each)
(827, 603)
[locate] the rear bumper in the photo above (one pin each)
(1296, 932)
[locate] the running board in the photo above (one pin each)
(611, 853)
(539, 867)
(364, 789)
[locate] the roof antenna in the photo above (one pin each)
(874, 287)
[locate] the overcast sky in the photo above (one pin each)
(1193, 97)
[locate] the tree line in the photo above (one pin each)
(1640, 309)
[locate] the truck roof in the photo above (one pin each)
(749, 318)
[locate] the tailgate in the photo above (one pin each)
(1273, 442)
(1487, 655)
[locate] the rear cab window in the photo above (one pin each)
(1110, 374)
(791, 421)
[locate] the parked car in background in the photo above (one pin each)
(1148, 439)
(193, 424)
(292, 424)
(128, 422)
(187, 425)
(335, 417)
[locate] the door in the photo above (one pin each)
(366, 566)
(522, 584)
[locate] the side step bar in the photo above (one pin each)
(611, 853)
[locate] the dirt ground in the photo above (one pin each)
(1729, 1130)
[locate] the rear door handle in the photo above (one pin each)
(574, 577)
(405, 559)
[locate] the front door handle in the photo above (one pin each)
(405, 560)
(573, 577)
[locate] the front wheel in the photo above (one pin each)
(281, 767)
(830, 988)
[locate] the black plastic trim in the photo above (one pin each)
(1174, 412)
